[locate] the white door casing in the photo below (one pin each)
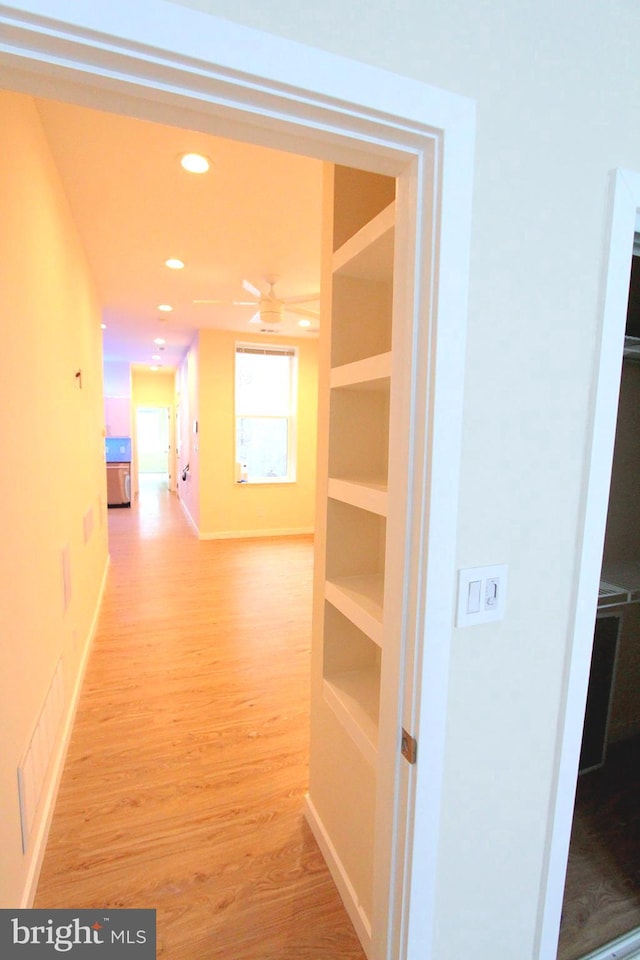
(163, 62)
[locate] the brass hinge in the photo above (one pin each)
(408, 747)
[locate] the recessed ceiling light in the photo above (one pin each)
(195, 162)
(154, 367)
(156, 356)
(304, 323)
(103, 326)
(159, 341)
(165, 307)
(174, 264)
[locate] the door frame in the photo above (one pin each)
(164, 62)
(168, 411)
(624, 204)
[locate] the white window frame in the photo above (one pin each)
(291, 416)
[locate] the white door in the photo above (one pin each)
(153, 440)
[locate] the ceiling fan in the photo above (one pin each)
(271, 307)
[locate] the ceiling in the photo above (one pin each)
(255, 215)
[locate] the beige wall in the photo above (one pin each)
(153, 388)
(52, 440)
(227, 508)
(556, 88)
(188, 445)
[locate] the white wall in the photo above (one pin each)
(556, 86)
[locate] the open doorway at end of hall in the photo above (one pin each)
(153, 446)
(601, 907)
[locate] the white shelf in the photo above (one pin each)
(354, 698)
(372, 373)
(366, 494)
(620, 583)
(359, 599)
(369, 253)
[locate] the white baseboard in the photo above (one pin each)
(245, 534)
(188, 515)
(41, 833)
(252, 534)
(359, 918)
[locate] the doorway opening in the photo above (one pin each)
(592, 717)
(153, 446)
(602, 890)
(261, 89)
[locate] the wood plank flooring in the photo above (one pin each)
(184, 782)
(602, 891)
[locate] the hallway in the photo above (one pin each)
(184, 782)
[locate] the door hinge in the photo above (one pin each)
(408, 747)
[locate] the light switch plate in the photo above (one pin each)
(482, 593)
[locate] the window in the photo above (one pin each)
(265, 413)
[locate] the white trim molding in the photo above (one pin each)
(160, 61)
(624, 204)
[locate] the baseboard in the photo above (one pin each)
(245, 534)
(252, 534)
(188, 516)
(41, 833)
(358, 917)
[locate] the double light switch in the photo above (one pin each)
(481, 594)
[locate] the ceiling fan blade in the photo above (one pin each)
(231, 303)
(304, 298)
(301, 312)
(249, 287)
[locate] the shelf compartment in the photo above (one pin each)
(360, 600)
(368, 374)
(368, 254)
(359, 434)
(363, 195)
(351, 680)
(361, 312)
(366, 494)
(355, 542)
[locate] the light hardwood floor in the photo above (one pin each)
(184, 782)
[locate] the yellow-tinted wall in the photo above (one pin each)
(227, 508)
(153, 388)
(52, 485)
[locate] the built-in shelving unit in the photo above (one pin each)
(360, 387)
(349, 622)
